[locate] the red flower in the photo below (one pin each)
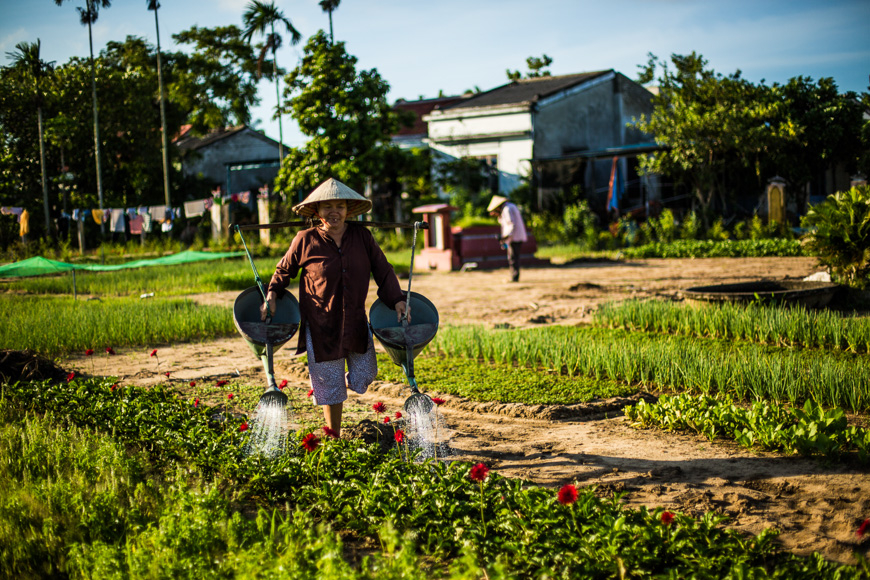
(400, 436)
(192, 383)
(167, 374)
(243, 427)
(667, 518)
(196, 403)
(398, 415)
(221, 383)
(110, 350)
(379, 407)
(115, 386)
(329, 432)
(154, 352)
(478, 472)
(283, 384)
(310, 392)
(230, 396)
(567, 495)
(438, 401)
(310, 442)
(386, 419)
(234, 197)
(89, 352)
(71, 376)
(863, 528)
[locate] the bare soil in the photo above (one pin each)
(816, 506)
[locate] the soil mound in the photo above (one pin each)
(26, 365)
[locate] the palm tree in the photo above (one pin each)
(155, 5)
(89, 15)
(259, 17)
(329, 6)
(26, 59)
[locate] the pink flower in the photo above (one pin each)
(283, 384)
(310, 392)
(478, 472)
(221, 383)
(230, 396)
(379, 407)
(110, 350)
(438, 401)
(154, 352)
(386, 420)
(398, 415)
(192, 383)
(196, 403)
(667, 518)
(71, 376)
(89, 352)
(863, 528)
(400, 436)
(567, 495)
(243, 427)
(310, 442)
(329, 432)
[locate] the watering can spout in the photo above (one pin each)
(273, 396)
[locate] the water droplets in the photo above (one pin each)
(269, 429)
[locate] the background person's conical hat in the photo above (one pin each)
(334, 189)
(495, 203)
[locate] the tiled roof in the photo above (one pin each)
(421, 108)
(209, 138)
(526, 90)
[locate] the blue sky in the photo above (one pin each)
(421, 47)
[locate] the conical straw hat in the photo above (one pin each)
(496, 202)
(334, 189)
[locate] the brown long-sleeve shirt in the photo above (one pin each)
(333, 288)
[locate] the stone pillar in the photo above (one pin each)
(263, 215)
(216, 223)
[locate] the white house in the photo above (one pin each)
(558, 130)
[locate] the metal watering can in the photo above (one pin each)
(405, 342)
(265, 338)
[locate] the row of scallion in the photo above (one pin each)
(53, 326)
(746, 370)
(777, 325)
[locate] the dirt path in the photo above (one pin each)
(816, 507)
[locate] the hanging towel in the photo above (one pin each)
(166, 226)
(132, 211)
(146, 223)
(16, 211)
(136, 224)
(25, 223)
(117, 220)
(97, 214)
(76, 215)
(158, 212)
(194, 208)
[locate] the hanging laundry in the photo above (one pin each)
(245, 196)
(117, 217)
(132, 212)
(24, 220)
(107, 215)
(76, 215)
(97, 214)
(158, 212)
(194, 208)
(166, 226)
(208, 203)
(136, 224)
(16, 211)
(146, 222)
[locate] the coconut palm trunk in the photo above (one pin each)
(44, 176)
(277, 97)
(154, 5)
(97, 148)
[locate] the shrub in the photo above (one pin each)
(840, 235)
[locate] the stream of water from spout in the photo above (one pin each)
(270, 429)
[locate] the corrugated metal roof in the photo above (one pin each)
(525, 90)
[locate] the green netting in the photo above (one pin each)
(39, 266)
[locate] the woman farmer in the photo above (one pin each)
(336, 259)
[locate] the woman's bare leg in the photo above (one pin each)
(332, 414)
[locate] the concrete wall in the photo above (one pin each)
(248, 145)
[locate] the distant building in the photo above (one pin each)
(415, 135)
(237, 158)
(557, 131)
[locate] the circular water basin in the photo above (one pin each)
(808, 294)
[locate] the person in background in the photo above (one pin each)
(336, 260)
(513, 231)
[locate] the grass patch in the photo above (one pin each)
(53, 326)
(501, 383)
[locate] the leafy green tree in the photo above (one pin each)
(88, 16)
(537, 68)
(344, 114)
(329, 6)
(26, 59)
(258, 18)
